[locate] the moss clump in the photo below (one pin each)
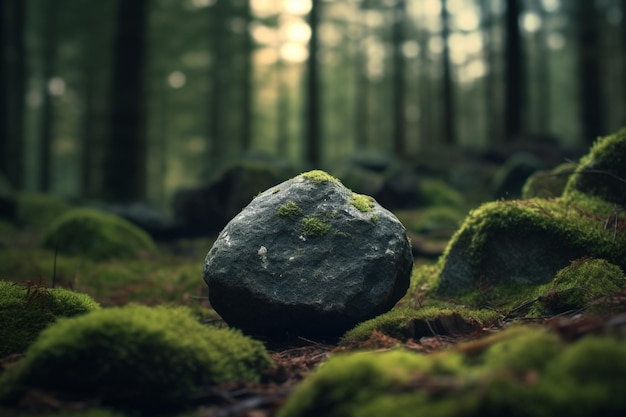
(576, 285)
(548, 184)
(289, 209)
(406, 323)
(318, 176)
(97, 236)
(314, 227)
(26, 311)
(39, 210)
(133, 356)
(523, 242)
(363, 203)
(602, 172)
(525, 371)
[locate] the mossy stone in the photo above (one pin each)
(548, 184)
(133, 356)
(523, 242)
(97, 236)
(576, 285)
(602, 172)
(26, 311)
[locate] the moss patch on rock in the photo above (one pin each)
(578, 284)
(97, 236)
(314, 227)
(133, 356)
(408, 323)
(362, 202)
(290, 209)
(26, 310)
(520, 371)
(602, 172)
(548, 184)
(318, 176)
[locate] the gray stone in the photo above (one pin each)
(308, 257)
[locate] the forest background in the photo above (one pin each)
(134, 100)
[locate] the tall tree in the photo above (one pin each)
(398, 78)
(246, 129)
(591, 96)
(313, 123)
(217, 115)
(362, 87)
(448, 118)
(542, 100)
(12, 84)
(514, 78)
(490, 101)
(125, 164)
(49, 58)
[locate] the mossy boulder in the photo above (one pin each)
(525, 371)
(97, 236)
(602, 172)
(548, 183)
(133, 356)
(408, 323)
(524, 243)
(26, 310)
(578, 284)
(39, 210)
(509, 179)
(308, 257)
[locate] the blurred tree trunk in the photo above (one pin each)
(246, 118)
(362, 87)
(217, 102)
(47, 107)
(591, 97)
(398, 78)
(448, 117)
(514, 77)
(125, 164)
(12, 84)
(490, 99)
(542, 62)
(313, 123)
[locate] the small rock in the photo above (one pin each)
(308, 257)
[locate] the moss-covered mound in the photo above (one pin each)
(26, 310)
(407, 323)
(39, 210)
(578, 284)
(96, 235)
(524, 242)
(602, 172)
(133, 356)
(524, 371)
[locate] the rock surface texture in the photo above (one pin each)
(308, 257)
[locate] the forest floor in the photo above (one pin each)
(174, 277)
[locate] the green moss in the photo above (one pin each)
(523, 370)
(314, 227)
(362, 202)
(39, 210)
(96, 235)
(563, 225)
(602, 172)
(134, 356)
(406, 323)
(576, 285)
(438, 193)
(26, 311)
(318, 176)
(290, 209)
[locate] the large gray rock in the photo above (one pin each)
(308, 257)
